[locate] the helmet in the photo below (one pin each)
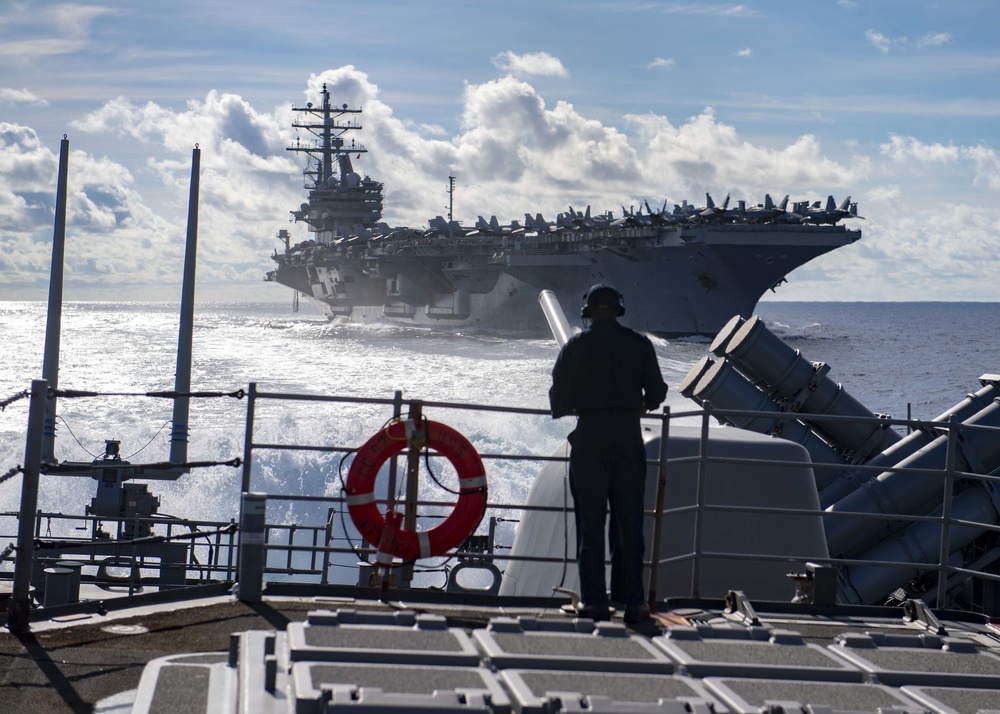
(602, 296)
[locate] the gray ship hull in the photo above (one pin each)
(677, 281)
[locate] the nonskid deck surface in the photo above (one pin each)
(338, 654)
(70, 663)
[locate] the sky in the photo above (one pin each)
(532, 106)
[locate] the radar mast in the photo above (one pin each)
(340, 202)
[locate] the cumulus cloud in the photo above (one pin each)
(103, 212)
(512, 153)
(28, 166)
(885, 44)
(987, 165)
(21, 96)
(910, 150)
(704, 154)
(884, 194)
(220, 123)
(115, 240)
(745, 52)
(944, 252)
(534, 63)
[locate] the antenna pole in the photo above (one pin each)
(451, 203)
(53, 320)
(185, 335)
(327, 137)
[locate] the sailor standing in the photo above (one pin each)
(607, 376)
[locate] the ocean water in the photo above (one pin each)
(889, 356)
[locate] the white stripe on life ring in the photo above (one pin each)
(360, 499)
(425, 544)
(473, 482)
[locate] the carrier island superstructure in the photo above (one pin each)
(684, 271)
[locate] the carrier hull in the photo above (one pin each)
(676, 281)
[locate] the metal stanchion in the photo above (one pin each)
(19, 610)
(253, 514)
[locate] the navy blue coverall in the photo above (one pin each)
(607, 375)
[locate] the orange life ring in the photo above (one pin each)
(453, 530)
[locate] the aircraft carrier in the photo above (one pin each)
(683, 271)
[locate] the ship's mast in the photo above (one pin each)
(451, 203)
(451, 198)
(323, 123)
(341, 202)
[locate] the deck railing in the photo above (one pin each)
(326, 555)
